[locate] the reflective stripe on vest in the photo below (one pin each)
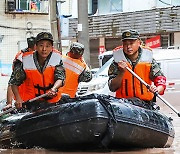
(73, 64)
(20, 54)
(131, 86)
(39, 83)
(73, 67)
(146, 56)
(22, 87)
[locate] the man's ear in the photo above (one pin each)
(140, 42)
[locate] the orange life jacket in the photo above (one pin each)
(73, 68)
(38, 83)
(21, 52)
(55, 50)
(22, 86)
(131, 86)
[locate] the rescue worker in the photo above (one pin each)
(76, 69)
(140, 60)
(10, 97)
(41, 71)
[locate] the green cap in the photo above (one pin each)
(44, 36)
(77, 48)
(130, 35)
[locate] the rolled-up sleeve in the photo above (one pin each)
(155, 70)
(113, 70)
(85, 76)
(18, 75)
(59, 73)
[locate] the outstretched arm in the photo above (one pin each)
(19, 100)
(9, 98)
(53, 91)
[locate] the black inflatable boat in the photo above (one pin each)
(90, 122)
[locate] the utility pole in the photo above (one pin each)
(55, 24)
(83, 28)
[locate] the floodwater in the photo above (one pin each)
(172, 97)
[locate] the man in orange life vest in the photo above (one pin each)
(42, 71)
(76, 69)
(31, 47)
(141, 61)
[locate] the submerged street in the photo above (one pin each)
(59, 43)
(172, 97)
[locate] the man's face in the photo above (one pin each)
(44, 47)
(74, 56)
(130, 47)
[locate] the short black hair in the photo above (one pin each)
(31, 41)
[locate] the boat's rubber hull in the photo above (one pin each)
(93, 123)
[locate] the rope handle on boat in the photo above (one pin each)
(24, 104)
(7, 111)
(156, 93)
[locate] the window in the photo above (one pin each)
(116, 5)
(92, 6)
(167, 3)
(109, 6)
(24, 5)
(29, 6)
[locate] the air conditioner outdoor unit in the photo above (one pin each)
(11, 5)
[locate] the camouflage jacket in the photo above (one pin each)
(154, 72)
(18, 75)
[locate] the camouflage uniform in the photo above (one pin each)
(154, 72)
(85, 76)
(18, 75)
(78, 49)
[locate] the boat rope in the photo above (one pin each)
(109, 135)
(108, 107)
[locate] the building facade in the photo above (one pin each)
(108, 18)
(20, 19)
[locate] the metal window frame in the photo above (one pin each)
(27, 11)
(115, 9)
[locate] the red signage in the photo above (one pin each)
(101, 49)
(154, 42)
